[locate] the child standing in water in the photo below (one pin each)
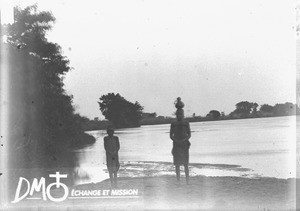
(112, 146)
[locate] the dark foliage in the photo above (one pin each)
(119, 111)
(244, 109)
(42, 121)
(214, 114)
(266, 108)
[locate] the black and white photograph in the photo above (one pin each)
(150, 105)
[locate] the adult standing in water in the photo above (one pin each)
(112, 146)
(180, 133)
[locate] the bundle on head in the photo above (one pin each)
(179, 104)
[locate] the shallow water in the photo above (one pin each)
(248, 148)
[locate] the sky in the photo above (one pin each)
(211, 53)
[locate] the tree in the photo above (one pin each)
(285, 109)
(153, 115)
(244, 109)
(265, 108)
(214, 114)
(222, 114)
(119, 111)
(149, 115)
(28, 34)
(41, 109)
(254, 109)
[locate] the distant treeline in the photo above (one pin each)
(243, 110)
(95, 124)
(246, 109)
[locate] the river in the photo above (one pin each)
(261, 147)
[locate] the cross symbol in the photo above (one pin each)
(58, 176)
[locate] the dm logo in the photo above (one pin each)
(38, 185)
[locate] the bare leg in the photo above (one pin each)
(186, 170)
(177, 169)
(111, 178)
(115, 178)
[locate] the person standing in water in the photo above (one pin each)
(112, 146)
(180, 133)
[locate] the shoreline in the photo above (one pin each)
(191, 120)
(82, 140)
(138, 169)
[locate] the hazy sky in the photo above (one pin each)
(213, 54)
